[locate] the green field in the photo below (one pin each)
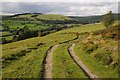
(5, 33)
(44, 16)
(96, 46)
(32, 25)
(53, 17)
(85, 28)
(18, 25)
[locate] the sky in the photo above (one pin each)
(64, 7)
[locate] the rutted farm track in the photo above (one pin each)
(31, 63)
(85, 69)
(48, 61)
(44, 63)
(77, 52)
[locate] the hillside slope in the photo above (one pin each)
(30, 53)
(42, 16)
(99, 51)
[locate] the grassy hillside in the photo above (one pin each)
(43, 16)
(101, 56)
(96, 46)
(28, 16)
(99, 51)
(110, 32)
(84, 28)
(31, 24)
(25, 60)
(16, 59)
(53, 17)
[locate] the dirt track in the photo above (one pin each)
(80, 64)
(49, 62)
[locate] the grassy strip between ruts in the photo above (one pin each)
(64, 66)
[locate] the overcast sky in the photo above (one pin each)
(65, 7)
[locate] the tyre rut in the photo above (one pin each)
(85, 69)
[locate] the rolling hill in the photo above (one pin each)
(25, 59)
(33, 44)
(34, 16)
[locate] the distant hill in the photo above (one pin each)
(42, 16)
(92, 19)
(57, 18)
(52, 17)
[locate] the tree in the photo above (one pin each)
(108, 19)
(6, 28)
(4, 41)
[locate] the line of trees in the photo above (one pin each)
(24, 33)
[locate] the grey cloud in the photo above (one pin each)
(58, 8)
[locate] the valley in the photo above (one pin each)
(56, 46)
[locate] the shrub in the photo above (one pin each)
(3, 41)
(103, 56)
(98, 56)
(34, 15)
(90, 47)
(17, 55)
(106, 60)
(39, 44)
(115, 64)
